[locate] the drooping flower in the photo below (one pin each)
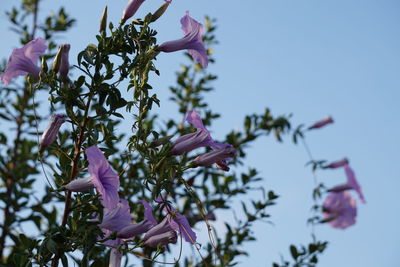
(131, 9)
(173, 221)
(340, 210)
(64, 67)
(104, 179)
(114, 220)
(192, 41)
(50, 133)
(337, 164)
(191, 141)
(351, 184)
(219, 156)
(163, 239)
(321, 123)
(23, 60)
(132, 230)
(117, 218)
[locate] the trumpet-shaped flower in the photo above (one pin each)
(131, 9)
(132, 230)
(340, 210)
(50, 134)
(351, 184)
(115, 258)
(321, 123)
(104, 179)
(23, 60)
(337, 164)
(219, 156)
(192, 41)
(115, 219)
(191, 141)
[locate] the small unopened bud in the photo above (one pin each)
(103, 22)
(57, 60)
(160, 11)
(45, 68)
(50, 134)
(64, 65)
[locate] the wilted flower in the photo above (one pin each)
(337, 164)
(219, 156)
(23, 60)
(64, 66)
(321, 123)
(191, 141)
(103, 177)
(193, 41)
(131, 9)
(340, 210)
(132, 230)
(351, 184)
(161, 239)
(50, 134)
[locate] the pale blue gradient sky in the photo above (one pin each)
(310, 58)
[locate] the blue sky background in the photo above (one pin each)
(311, 58)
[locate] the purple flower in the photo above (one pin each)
(173, 221)
(64, 67)
(115, 258)
(337, 164)
(132, 230)
(117, 218)
(191, 141)
(23, 60)
(50, 134)
(219, 156)
(161, 239)
(340, 210)
(180, 224)
(193, 41)
(104, 179)
(131, 9)
(351, 184)
(321, 123)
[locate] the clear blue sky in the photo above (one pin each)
(312, 58)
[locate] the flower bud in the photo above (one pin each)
(160, 11)
(103, 22)
(50, 134)
(80, 185)
(131, 9)
(64, 66)
(215, 156)
(57, 60)
(321, 123)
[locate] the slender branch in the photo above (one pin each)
(35, 17)
(74, 171)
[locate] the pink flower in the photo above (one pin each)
(340, 210)
(23, 60)
(337, 164)
(192, 41)
(321, 123)
(351, 184)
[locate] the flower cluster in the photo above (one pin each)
(117, 215)
(340, 208)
